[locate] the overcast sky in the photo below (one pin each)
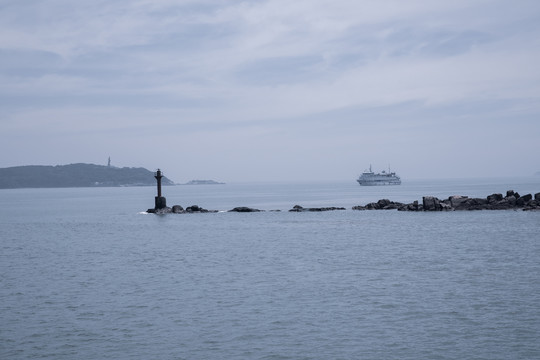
(273, 90)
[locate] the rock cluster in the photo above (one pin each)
(298, 208)
(177, 209)
(383, 204)
(512, 200)
(244, 209)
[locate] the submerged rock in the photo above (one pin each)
(298, 208)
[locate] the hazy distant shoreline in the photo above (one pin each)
(202, 182)
(75, 175)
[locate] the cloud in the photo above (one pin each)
(295, 73)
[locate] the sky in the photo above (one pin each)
(273, 90)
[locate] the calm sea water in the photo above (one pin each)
(85, 274)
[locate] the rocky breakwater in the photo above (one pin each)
(512, 200)
(195, 209)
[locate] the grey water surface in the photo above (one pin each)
(86, 274)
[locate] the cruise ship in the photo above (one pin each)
(369, 178)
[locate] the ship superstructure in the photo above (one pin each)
(369, 178)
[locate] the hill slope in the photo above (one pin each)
(75, 175)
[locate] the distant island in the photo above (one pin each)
(75, 175)
(203, 182)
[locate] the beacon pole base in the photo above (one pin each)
(161, 202)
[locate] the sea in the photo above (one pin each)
(86, 273)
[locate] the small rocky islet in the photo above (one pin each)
(511, 201)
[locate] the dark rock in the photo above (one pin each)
(410, 207)
(359, 207)
(537, 196)
(177, 209)
(244, 209)
(479, 201)
(509, 193)
(532, 205)
(197, 209)
(458, 202)
(193, 208)
(298, 208)
(477, 204)
(524, 200)
(383, 202)
(493, 198)
(474, 204)
(373, 206)
(504, 204)
(446, 207)
(165, 210)
(331, 208)
(431, 203)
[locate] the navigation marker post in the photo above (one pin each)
(161, 202)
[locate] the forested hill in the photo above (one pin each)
(75, 175)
